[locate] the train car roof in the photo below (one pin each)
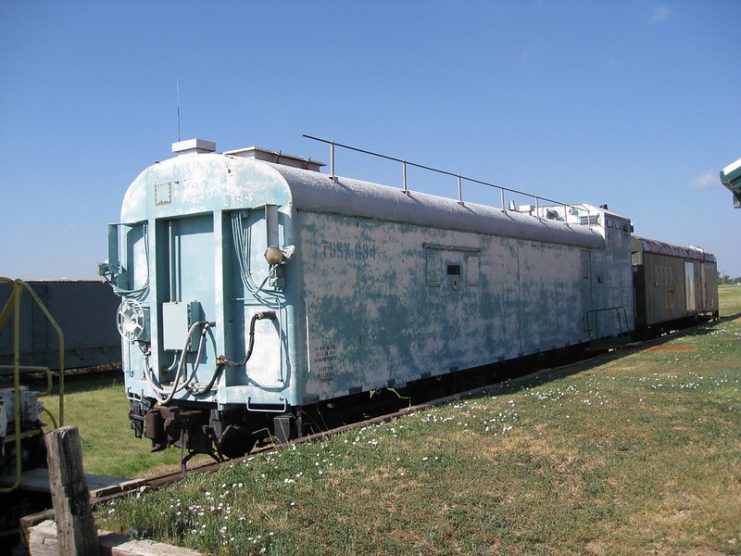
(662, 248)
(314, 191)
(207, 181)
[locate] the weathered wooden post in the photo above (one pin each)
(76, 531)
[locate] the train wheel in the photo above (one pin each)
(234, 442)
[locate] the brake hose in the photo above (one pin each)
(207, 388)
(165, 396)
(257, 316)
(221, 361)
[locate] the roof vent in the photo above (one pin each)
(193, 146)
(276, 157)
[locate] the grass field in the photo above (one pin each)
(97, 405)
(636, 452)
(729, 300)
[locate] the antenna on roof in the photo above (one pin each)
(177, 92)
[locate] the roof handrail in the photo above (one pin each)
(459, 177)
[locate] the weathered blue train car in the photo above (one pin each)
(253, 288)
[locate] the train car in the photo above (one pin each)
(253, 286)
(672, 283)
(85, 310)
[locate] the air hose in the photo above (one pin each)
(165, 396)
(256, 317)
(182, 366)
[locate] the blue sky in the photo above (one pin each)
(636, 104)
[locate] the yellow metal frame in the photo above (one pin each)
(13, 306)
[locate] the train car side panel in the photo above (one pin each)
(709, 275)
(672, 282)
(612, 311)
(85, 310)
(551, 307)
(389, 303)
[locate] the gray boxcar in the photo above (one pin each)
(86, 312)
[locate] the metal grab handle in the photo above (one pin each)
(265, 410)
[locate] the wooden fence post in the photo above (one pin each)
(76, 530)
